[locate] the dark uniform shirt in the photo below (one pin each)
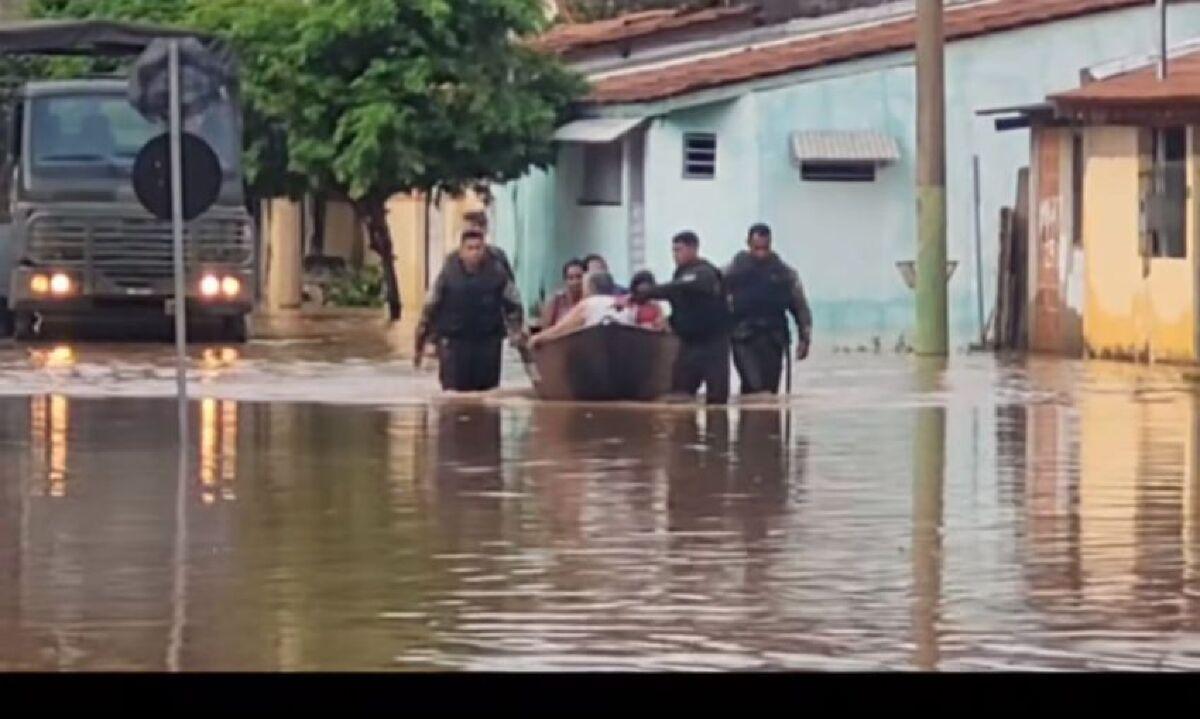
(699, 307)
(762, 291)
(513, 316)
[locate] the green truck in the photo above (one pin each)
(76, 246)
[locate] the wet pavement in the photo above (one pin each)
(336, 512)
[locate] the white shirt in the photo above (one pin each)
(598, 309)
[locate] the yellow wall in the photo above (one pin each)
(418, 259)
(1134, 308)
(1137, 483)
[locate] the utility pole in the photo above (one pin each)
(1162, 39)
(932, 336)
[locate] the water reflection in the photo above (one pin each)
(928, 486)
(59, 357)
(218, 450)
(49, 426)
(493, 535)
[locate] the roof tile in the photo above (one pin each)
(961, 23)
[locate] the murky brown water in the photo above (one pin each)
(1034, 516)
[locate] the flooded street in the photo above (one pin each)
(335, 512)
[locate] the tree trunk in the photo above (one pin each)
(316, 246)
(373, 212)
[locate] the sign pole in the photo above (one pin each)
(177, 229)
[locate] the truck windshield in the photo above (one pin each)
(102, 133)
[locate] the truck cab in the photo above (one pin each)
(77, 240)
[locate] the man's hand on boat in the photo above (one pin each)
(521, 340)
(422, 343)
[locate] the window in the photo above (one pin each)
(837, 171)
(1165, 193)
(1077, 189)
(699, 156)
(602, 169)
(95, 134)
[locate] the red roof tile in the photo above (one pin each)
(577, 36)
(853, 43)
(1141, 87)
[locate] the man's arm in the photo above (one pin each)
(570, 322)
(701, 280)
(514, 312)
(429, 310)
(800, 311)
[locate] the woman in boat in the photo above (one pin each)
(567, 297)
(599, 305)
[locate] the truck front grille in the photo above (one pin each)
(134, 251)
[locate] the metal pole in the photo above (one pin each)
(178, 595)
(177, 229)
(1162, 39)
(932, 335)
(979, 255)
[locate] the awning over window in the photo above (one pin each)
(596, 129)
(844, 146)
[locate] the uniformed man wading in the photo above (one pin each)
(472, 305)
(763, 289)
(700, 316)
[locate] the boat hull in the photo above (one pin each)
(606, 363)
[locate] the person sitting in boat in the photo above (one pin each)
(600, 305)
(566, 298)
(596, 263)
(647, 314)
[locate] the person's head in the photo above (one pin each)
(573, 272)
(471, 249)
(643, 279)
(476, 220)
(758, 240)
(595, 263)
(686, 247)
(598, 283)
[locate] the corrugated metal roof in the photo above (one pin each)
(844, 146)
(961, 23)
(596, 130)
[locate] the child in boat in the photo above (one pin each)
(599, 305)
(648, 314)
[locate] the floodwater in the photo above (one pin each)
(890, 515)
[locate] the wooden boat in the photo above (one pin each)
(604, 363)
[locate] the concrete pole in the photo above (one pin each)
(932, 335)
(1162, 39)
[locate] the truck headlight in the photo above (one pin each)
(61, 284)
(39, 284)
(231, 287)
(210, 286)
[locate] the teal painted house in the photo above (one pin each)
(714, 123)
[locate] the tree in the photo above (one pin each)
(378, 97)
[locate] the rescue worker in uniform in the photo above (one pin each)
(700, 316)
(470, 307)
(478, 220)
(763, 290)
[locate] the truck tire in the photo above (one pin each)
(24, 326)
(233, 329)
(6, 319)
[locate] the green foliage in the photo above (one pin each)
(375, 97)
(363, 288)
